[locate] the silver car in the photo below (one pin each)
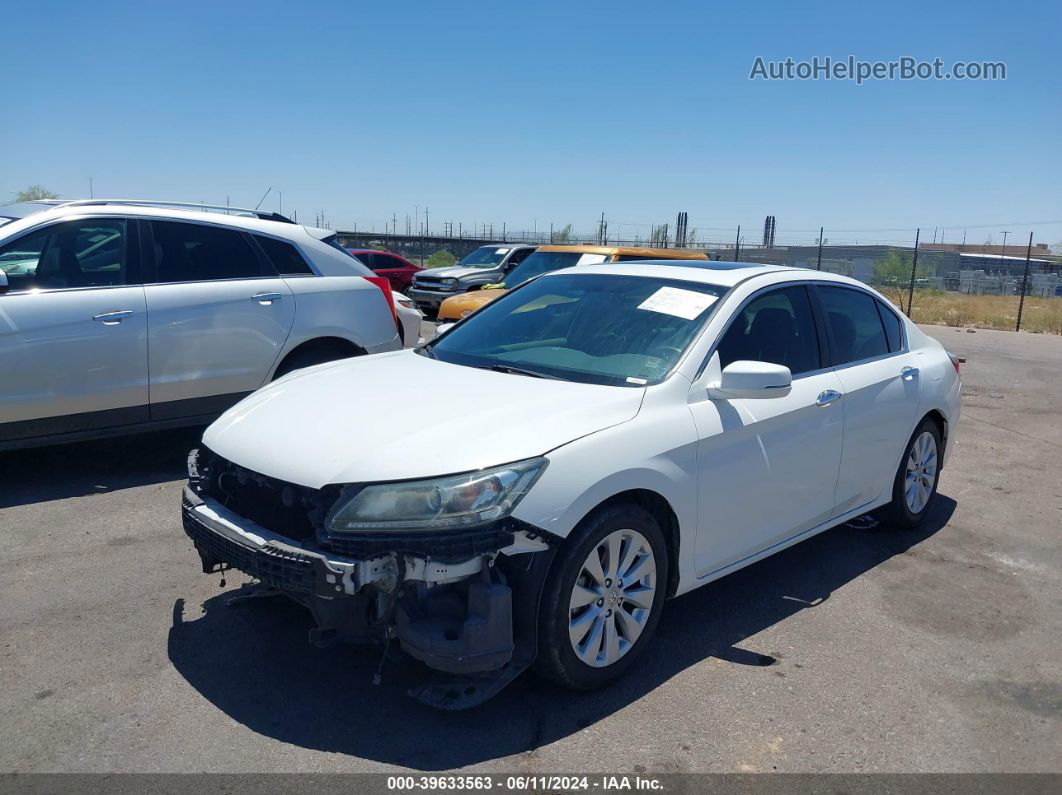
(119, 316)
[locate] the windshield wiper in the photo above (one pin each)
(504, 368)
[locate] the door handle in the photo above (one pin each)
(909, 373)
(112, 318)
(265, 299)
(827, 397)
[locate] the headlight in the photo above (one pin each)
(454, 501)
(450, 284)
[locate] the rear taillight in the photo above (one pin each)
(385, 286)
(956, 361)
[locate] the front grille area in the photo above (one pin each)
(431, 284)
(286, 509)
(452, 545)
(277, 568)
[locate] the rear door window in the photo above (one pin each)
(856, 330)
(200, 252)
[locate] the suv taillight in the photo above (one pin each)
(385, 287)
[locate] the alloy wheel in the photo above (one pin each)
(612, 598)
(921, 472)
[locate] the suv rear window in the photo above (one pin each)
(284, 256)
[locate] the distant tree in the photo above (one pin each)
(896, 269)
(34, 192)
(441, 259)
(892, 275)
(563, 235)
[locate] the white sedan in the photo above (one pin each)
(633, 431)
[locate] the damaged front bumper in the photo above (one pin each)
(472, 617)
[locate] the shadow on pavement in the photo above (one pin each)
(41, 474)
(254, 663)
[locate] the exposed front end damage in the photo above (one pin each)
(463, 602)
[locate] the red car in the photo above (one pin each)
(397, 270)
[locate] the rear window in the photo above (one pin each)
(284, 256)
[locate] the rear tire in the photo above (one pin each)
(602, 598)
(916, 480)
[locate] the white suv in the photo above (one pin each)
(120, 316)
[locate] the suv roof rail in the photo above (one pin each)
(179, 205)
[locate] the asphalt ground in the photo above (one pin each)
(858, 650)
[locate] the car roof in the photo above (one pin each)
(628, 251)
(720, 274)
(283, 229)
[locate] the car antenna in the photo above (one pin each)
(263, 197)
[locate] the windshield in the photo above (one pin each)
(484, 257)
(545, 261)
(595, 329)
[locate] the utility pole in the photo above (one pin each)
(550, 231)
(426, 231)
(1003, 253)
(818, 262)
(914, 268)
(92, 195)
(737, 245)
(1024, 283)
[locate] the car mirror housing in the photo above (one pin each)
(748, 379)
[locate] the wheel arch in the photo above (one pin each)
(323, 343)
(661, 509)
(937, 417)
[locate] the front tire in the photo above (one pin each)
(603, 597)
(916, 480)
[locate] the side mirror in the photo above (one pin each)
(745, 379)
(3, 282)
(441, 329)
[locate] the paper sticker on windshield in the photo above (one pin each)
(501, 251)
(686, 304)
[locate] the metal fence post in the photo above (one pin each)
(737, 245)
(1024, 282)
(818, 262)
(914, 268)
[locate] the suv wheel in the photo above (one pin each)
(603, 598)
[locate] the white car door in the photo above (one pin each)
(767, 468)
(73, 343)
(880, 380)
(218, 317)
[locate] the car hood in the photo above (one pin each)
(458, 271)
(354, 421)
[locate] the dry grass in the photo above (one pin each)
(1040, 315)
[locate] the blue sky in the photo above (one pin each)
(539, 112)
